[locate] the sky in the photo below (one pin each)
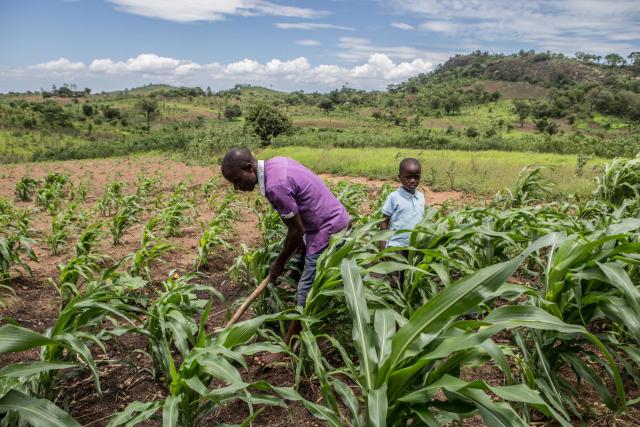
(286, 45)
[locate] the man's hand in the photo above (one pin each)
(275, 270)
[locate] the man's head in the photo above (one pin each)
(240, 168)
(409, 174)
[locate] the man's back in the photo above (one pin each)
(292, 188)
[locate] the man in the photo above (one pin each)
(305, 205)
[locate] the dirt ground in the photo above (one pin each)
(125, 373)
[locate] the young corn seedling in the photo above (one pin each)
(59, 229)
(126, 216)
(111, 200)
(192, 393)
(67, 343)
(151, 249)
(25, 188)
(174, 214)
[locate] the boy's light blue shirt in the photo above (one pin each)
(405, 211)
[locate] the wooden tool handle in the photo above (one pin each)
(248, 301)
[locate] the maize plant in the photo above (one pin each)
(59, 229)
(213, 233)
(111, 199)
(126, 216)
(620, 181)
(25, 188)
(174, 214)
(151, 249)
(531, 186)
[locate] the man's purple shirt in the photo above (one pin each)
(291, 188)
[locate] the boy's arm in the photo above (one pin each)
(384, 225)
(295, 231)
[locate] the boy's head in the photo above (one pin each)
(240, 168)
(409, 174)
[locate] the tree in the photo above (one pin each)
(149, 107)
(634, 58)
(232, 111)
(209, 93)
(452, 104)
(87, 109)
(614, 59)
(326, 104)
(267, 122)
(522, 109)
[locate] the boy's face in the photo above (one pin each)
(410, 177)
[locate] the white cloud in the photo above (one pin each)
(440, 26)
(310, 26)
(356, 49)
(402, 26)
(59, 65)
(376, 72)
(146, 63)
(212, 10)
(308, 42)
(599, 26)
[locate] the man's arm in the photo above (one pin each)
(292, 242)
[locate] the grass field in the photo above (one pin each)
(483, 172)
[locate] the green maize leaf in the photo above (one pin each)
(588, 374)
(493, 413)
(388, 267)
(84, 353)
(350, 401)
(243, 331)
(36, 412)
(222, 394)
(170, 411)
(377, 406)
(196, 385)
(531, 317)
(619, 278)
(18, 370)
(384, 325)
(311, 346)
(135, 413)
(498, 358)
(16, 338)
(218, 367)
(362, 331)
(259, 347)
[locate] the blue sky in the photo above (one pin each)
(287, 45)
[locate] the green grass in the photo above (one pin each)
(484, 172)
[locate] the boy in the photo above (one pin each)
(404, 208)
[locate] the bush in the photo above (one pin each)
(232, 111)
(472, 132)
(267, 122)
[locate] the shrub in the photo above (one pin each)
(267, 122)
(472, 132)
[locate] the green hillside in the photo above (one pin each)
(538, 102)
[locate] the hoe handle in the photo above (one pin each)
(248, 301)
